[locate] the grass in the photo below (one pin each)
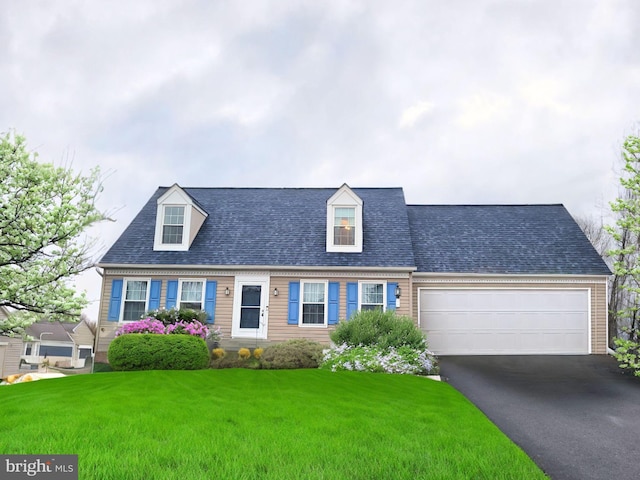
(266, 424)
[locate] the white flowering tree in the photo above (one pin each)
(626, 256)
(43, 212)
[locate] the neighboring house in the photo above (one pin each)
(10, 350)
(62, 344)
(271, 264)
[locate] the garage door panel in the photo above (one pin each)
(505, 321)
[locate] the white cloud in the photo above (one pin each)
(483, 108)
(414, 113)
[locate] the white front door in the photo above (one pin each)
(250, 307)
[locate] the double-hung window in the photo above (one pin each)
(136, 299)
(372, 296)
(344, 226)
(173, 225)
(344, 222)
(314, 303)
(191, 294)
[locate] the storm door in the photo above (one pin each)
(250, 307)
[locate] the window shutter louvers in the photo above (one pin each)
(334, 302)
(210, 300)
(115, 301)
(172, 294)
(294, 303)
(352, 299)
(154, 294)
(391, 295)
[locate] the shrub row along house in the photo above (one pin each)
(271, 264)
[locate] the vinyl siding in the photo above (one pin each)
(278, 329)
(10, 352)
(82, 335)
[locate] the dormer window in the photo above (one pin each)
(178, 220)
(173, 225)
(344, 221)
(344, 230)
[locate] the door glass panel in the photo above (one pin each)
(250, 306)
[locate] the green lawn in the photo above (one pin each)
(266, 424)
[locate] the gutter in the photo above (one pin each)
(255, 267)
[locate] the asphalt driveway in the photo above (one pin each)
(577, 417)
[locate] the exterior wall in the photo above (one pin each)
(82, 335)
(10, 352)
(278, 328)
(596, 285)
(197, 219)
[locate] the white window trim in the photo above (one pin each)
(326, 305)
(175, 197)
(373, 282)
(186, 228)
(181, 281)
(124, 296)
(344, 198)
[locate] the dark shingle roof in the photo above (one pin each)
(273, 227)
(287, 227)
(515, 239)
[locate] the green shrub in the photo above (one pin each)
(383, 329)
(297, 353)
(148, 351)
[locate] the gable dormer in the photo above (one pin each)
(178, 220)
(344, 221)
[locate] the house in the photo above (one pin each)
(271, 264)
(65, 345)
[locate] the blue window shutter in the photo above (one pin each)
(294, 303)
(334, 302)
(154, 294)
(352, 299)
(391, 295)
(210, 300)
(115, 301)
(172, 294)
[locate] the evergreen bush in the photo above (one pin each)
(148, 351)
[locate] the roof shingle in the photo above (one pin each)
(501, 239)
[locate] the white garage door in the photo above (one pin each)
(505, 321)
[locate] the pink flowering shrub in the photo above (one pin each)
(146, 325)
(152, 325)
(194, 328)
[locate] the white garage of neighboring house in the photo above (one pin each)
(507, 280)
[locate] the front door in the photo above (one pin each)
(250, 307)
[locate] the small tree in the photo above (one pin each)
(626, 258)
(43, 211)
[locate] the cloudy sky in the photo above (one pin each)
(476, 101)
